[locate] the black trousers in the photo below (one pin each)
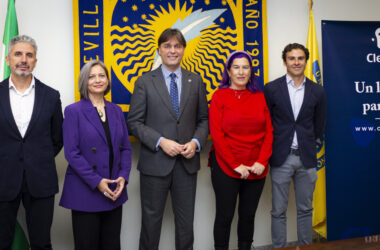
(97, 230)
(39, 217)
(227, 189)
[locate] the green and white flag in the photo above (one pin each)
(10, 31)
(20, 241)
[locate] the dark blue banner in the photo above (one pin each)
(351, 71)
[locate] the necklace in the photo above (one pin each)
(100, 107)
(239, 93)
(100, 113)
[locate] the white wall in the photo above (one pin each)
(50, 22)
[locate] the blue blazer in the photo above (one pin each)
(86, 150)
(34, 154)
(309, 124)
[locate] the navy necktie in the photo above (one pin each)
(174, 92)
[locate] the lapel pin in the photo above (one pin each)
(189, 80)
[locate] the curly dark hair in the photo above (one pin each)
(292, 46)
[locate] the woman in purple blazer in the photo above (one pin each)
(97, 148)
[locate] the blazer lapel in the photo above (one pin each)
(112, 120)
(5, 105)
(306, 98)
(185, 92)
(93, 118)
(160, 85)
(39, 97)
(286, 97)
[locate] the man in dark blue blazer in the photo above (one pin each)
(30, 137)
(298, 111)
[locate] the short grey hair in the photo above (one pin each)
(22, 39)
(84, 75)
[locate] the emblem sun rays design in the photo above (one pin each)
(134, 46)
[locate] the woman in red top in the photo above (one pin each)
(241, 131)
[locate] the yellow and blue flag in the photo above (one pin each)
(313, 72)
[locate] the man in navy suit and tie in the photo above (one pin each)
(298, 111)
(169, 115)
(30, 137)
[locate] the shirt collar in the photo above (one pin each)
(167, 72)
(27, 92)
(290, 81)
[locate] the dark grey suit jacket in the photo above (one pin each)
(309, 124)
(34, 154)
(151, 116)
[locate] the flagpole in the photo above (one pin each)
(310, 2)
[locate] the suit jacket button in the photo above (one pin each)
(93, 150)
(94, 167)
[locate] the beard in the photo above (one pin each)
(22, 73)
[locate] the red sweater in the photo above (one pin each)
(241, 130)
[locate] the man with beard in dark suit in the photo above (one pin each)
(30, 137)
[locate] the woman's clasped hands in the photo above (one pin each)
(244, 171)
(104, 188)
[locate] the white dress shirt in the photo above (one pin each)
(296, 99)
(22, 105)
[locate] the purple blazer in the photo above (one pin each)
(86, 150)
